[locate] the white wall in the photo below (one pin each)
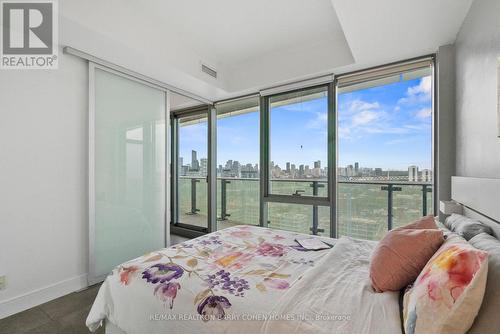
(477, 48)
(43, 183)
(445, 72)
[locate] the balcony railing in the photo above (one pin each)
(365, 209)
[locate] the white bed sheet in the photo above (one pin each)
(282, 280)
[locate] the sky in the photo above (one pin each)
(388, 126)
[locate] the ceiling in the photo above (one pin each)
(256, 44)
(391, 30)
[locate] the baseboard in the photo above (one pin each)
(42, 295)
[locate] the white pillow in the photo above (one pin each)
(448, 293)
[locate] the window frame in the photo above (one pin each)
(177, 227)
(387, 70)
(265, 158)
(331, 83)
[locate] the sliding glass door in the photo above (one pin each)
(127, 169)
(192, 167)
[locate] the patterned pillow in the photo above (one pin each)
(447, 294)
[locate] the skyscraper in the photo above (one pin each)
(288, 167)
(317, 164)
(413, 173)
(195, 165)
(426, 175)
(350, 171)
(203, 166)
(356, 168)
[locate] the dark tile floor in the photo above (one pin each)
(65, 315)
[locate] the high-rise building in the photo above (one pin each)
(350, 171)
(203, 166)
(288, 167)
(184, 170)
(426, 175)
(248, 172)
(194, 161)
(413, 173)
(317, 164)
(356, 168)
(301, 170)
(236, 168)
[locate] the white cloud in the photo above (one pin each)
(424, 113)
(424, 87)
(319, 122)
(369, 119)
(384, 129)
(419, 93)
(365, 117)
(359, 105)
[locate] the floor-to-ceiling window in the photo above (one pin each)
(238, 162)
(385, 149)
(351, 157)
(296, 157)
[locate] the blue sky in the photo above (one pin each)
(387, 126)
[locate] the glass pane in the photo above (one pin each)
(361, 210)
(299, 218)
(384, 137)
(129, 170)
(298, 141)
(238, 162)
(408, 203)
(192, 189)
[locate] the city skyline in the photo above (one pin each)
(236, 169)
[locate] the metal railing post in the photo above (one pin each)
(223, 204)
(389, 207)
(315, 223)
(425, 190)
(390, 198)
(194, 210)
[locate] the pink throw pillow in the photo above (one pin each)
(426, 222)
(402, 254)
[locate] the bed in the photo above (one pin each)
(258, 279)
(248, 279)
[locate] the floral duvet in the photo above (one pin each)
(225, 282)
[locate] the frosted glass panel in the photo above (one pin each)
(129, 171)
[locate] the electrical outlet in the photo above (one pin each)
(3, 282)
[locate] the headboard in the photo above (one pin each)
(480, 198)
